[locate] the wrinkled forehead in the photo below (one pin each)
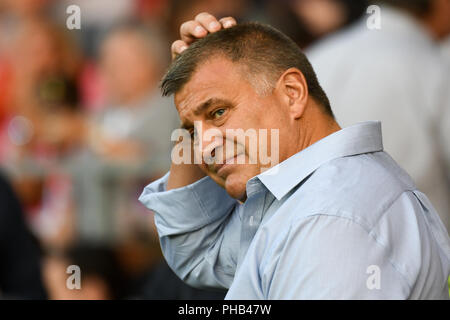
(217, 78)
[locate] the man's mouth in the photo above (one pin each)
(220, 167)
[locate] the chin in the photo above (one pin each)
(235, 185)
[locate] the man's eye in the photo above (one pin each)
(218, 113)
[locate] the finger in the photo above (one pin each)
(228, 22)
(191, 30)
(178, 47)
(208, 21)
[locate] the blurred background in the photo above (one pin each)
(83, 127)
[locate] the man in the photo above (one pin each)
(396, 74)
(337, 218)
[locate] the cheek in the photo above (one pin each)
(269, 114)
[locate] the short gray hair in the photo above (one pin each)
(263, 52)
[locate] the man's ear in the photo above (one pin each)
(293, 90)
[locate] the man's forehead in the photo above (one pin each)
(216, 78)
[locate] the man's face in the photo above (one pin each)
(221, 98)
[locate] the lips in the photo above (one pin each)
(219, 166)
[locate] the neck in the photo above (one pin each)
(314, 126)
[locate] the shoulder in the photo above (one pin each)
(364, 199)
(353, 210)
(360, 188)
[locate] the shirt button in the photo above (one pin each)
(251, 221)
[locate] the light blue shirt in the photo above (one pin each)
(338, 220)
(381, 82)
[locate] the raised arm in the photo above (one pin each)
(198, 222)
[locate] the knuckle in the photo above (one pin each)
(202, 15)
(177, 45)
(186, 25)
(227, 21)
(183, 26)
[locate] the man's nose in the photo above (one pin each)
(210, 150)
(212, 143)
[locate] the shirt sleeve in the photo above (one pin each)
(330, 257)
(199, 230)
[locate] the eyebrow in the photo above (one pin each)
(203, 106)
(211, 101)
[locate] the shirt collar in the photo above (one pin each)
(360, 138)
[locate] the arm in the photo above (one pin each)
(184, 174)
(197, 221)
(199, 230)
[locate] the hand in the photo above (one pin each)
(204, 23)
(198, 28)
(184, 174)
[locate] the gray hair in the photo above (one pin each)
(262, 53)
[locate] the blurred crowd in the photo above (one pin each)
(83, 127)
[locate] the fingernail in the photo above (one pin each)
(214, 25)
(199, 30)
(183, 48)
